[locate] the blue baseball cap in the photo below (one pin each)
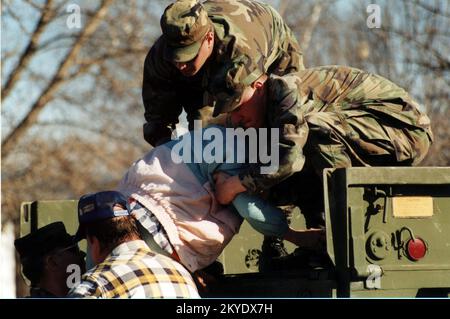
(99, 206)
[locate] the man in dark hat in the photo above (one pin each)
(45, 255)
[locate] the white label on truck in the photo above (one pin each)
(412, 206)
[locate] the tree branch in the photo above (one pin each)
(57, 80)
(314, 19)
(46, 16)
(431, 9)
(283, 7)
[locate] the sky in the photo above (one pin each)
(13, 37)
(28, 90)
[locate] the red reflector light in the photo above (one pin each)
(416, 249)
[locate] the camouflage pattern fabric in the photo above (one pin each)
(250, 39)
(184, 24)
(337, 116)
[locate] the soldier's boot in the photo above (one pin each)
(271, 250)
(315, 220)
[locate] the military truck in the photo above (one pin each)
(387, 235)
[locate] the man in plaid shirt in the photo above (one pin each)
(125, 265)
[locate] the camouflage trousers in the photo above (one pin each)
(346, 139)
(359, 138)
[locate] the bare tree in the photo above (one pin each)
(91, 94)
(411, 48)
(71, 104)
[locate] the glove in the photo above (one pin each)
(156, 134)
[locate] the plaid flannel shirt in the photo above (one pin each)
(133, 271)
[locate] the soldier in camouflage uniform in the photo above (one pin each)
(331, 116)
(248, 37)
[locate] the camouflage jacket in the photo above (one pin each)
(251, 38)
(339, 89)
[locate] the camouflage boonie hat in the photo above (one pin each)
(184, 25)
(227, 89)
(227, 100)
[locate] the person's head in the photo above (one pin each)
(246, 107)
(45, 255)
(106, 222)
(189, 35)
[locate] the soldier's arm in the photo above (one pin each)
(265, 218)
(162, 106)
(291, 56)
(286, 115)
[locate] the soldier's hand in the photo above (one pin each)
(227, 188)
(156, 134)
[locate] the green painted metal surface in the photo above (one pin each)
(366, 238)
